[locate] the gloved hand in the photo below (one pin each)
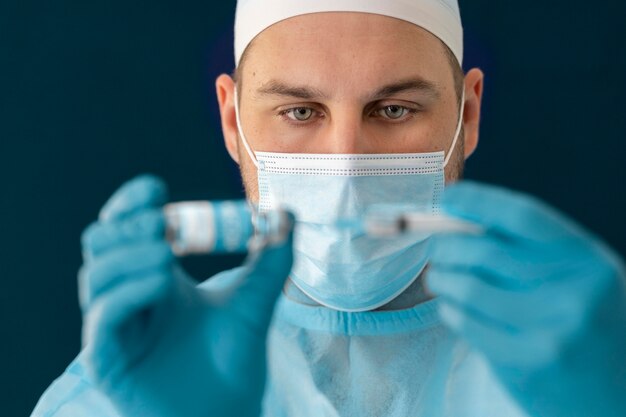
(542, 299)
(156, 344)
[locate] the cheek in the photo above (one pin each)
(455, 168)
(267, 133)
(249, 176)
(421, 135)
(277, 136)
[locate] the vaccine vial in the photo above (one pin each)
(221, 227)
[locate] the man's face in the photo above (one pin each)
(349, 83)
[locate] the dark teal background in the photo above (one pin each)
(93, 93)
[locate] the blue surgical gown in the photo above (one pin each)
(323, 362)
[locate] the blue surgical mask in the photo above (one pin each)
(343, 268)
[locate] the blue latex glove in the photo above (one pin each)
(157, 345)
(542, 299)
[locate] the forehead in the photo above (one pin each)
(341, 50)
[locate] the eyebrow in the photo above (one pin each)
(417, 84)
(409, 85)
(278, 88)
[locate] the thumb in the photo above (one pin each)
(144, 191)
(266, 269)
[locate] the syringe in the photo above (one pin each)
(381, 224)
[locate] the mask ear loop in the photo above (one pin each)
(254, 207)
(240, 130)
(458, 130)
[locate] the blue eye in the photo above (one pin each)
(300, 114)
(393, 112)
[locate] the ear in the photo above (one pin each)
(225, 88)
(474, 82)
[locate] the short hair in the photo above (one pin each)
(457, 72)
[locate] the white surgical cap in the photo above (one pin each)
(439, 17)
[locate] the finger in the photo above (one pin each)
(126, 305)
(509, 262)
(105, 272)
(508, 212)
(100, 237)
(265, 274)
(499, 345)
(138, 193)
(503, 263)
(546, 307)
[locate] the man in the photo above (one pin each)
(337, 107)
